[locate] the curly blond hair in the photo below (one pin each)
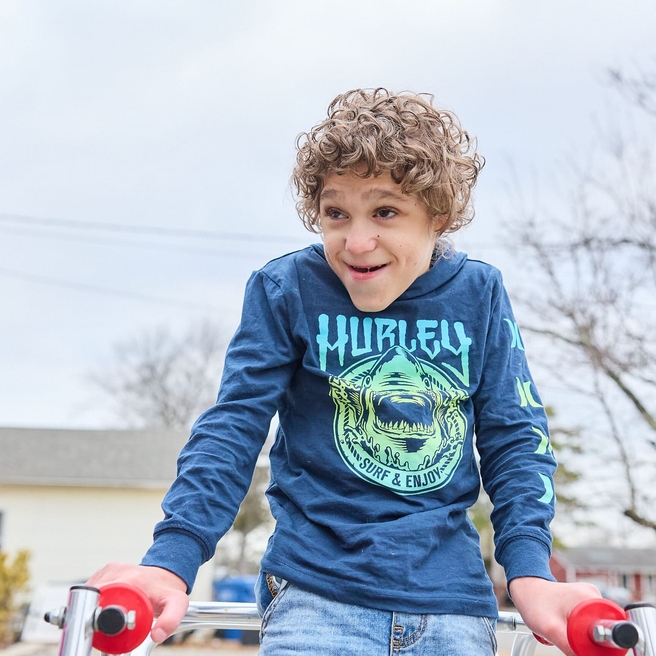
(374, 131)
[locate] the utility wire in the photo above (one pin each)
(174, 248)
(147, 230)
(94, 289)
(179, 232)
(10, 218)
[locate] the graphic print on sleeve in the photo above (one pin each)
(398, 421)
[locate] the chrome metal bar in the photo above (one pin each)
(644, 617)
(524, 644)
(230, 615)
(78, 623)
(511, 622)
(210, 614)
(221, 615)
(83, 601)
(217, 615)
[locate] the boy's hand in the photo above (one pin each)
(166, 591)
(545, 606)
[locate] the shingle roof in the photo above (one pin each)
(89, 458)
(611, 559)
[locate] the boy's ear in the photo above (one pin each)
(439, 221)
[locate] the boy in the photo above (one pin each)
(384, 352)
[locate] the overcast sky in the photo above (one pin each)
(184, 114)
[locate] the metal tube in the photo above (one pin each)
(211, 614)
(83, 600)
(221, 615)
(644, 617)
(511, 622)
(524, 645)
(78, 625)
(233, 615)
(144, 648)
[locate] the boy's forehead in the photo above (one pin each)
(378, 187)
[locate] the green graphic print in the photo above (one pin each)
(398, 421)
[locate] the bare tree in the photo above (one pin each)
(639, 88)
(590, 268)
(561, 440)
(162, 380)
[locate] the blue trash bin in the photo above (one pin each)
(235, 588)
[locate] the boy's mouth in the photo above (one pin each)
(366, 269)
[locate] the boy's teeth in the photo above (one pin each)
(367, 269)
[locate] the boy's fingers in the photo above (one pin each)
(165, 590)
(170, 616)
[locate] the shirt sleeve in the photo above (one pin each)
(516, 458)
(216, 465)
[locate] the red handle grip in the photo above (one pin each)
(132, 603)
(582, 621)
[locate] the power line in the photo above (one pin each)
(146, 230)
(94, 289)
(179, 232)
(148, 245)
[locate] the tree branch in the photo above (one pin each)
(642, 410)
(639, 519)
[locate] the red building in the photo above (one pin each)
(624, 575)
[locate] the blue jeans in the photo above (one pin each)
(295, 621)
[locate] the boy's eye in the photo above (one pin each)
(333, 213)
(385, 213)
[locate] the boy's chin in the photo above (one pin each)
(368, 304)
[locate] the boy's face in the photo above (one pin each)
(377, 239)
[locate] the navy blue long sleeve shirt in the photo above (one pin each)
(374, 465)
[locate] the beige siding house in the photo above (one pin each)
(78, 499)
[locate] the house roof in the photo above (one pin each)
(89, 458)
(593, 559)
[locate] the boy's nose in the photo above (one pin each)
(361, 238)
